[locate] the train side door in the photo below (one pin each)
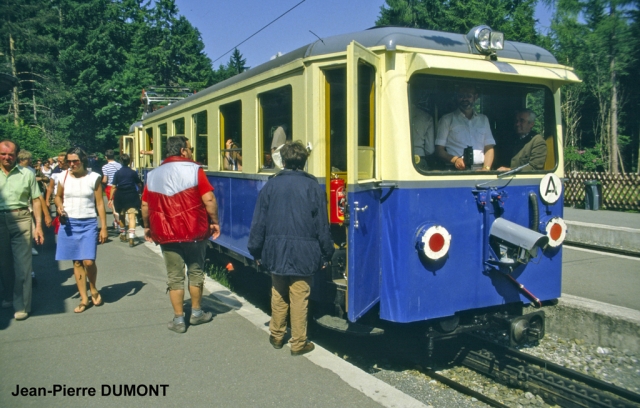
(363, 235)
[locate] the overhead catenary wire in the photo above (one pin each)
(252, 35)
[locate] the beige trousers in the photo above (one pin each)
(290, 294)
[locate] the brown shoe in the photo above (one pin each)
(277, 344)
(304, 350)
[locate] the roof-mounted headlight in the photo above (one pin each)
(486, 40)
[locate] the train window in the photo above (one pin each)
(336, 119)
(231, 136)
(201, 153)
(178, 127)
(147, 150)
(366, 121)
(162, 132)
(275, 125)
(454, 123)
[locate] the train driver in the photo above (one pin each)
(462, 128)
(528, 148)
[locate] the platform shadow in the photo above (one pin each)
(115, 292)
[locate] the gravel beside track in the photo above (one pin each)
(608, 364)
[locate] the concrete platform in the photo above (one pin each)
(595, 323)
(607, 230)
(125, 343)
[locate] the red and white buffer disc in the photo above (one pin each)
(556, 230)
(436, 241)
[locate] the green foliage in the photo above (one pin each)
(513, 17)
(589, 159)
(29, 138)
(82, 64)
(219, 274)
(595, 37)
(235, 66)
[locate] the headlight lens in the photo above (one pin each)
(486, 40)
(497, 40)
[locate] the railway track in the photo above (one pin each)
(458, 386)
(557, 385)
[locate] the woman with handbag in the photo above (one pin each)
(78, 202)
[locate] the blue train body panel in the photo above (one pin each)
(236, 201)
(364, 239)
(410, 289)
(383, 262)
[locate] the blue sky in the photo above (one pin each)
(226, 23)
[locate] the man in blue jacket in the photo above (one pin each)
(290, 237)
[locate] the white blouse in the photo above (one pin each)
(79, 195)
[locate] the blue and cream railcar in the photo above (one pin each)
(417, 241)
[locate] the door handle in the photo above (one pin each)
(357, 209)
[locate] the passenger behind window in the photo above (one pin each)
(232, 159)
(527, 147)
(278, 140)
(462, 128)
(422, 133)
(268, 161)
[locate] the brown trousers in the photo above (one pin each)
(290, 294)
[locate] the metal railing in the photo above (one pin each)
(619, 191)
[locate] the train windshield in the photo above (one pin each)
(474, 126)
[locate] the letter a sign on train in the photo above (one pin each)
(550, 188)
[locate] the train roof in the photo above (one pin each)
(390, 37)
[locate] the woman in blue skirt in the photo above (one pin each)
(79, 197)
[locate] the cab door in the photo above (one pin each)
(363, 235)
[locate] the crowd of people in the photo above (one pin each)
(70, 187)
(179, 212)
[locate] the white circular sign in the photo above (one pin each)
(550, 188)
(436, 242)
(556, 230)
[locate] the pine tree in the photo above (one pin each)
(513, 17)
(28, 41)
(237, 63)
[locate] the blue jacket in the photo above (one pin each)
(290, 229)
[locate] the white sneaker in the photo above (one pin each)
(33, 251)
(20, 315)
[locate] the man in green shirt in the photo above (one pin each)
(18, 188)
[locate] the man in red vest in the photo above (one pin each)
(180, 212)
